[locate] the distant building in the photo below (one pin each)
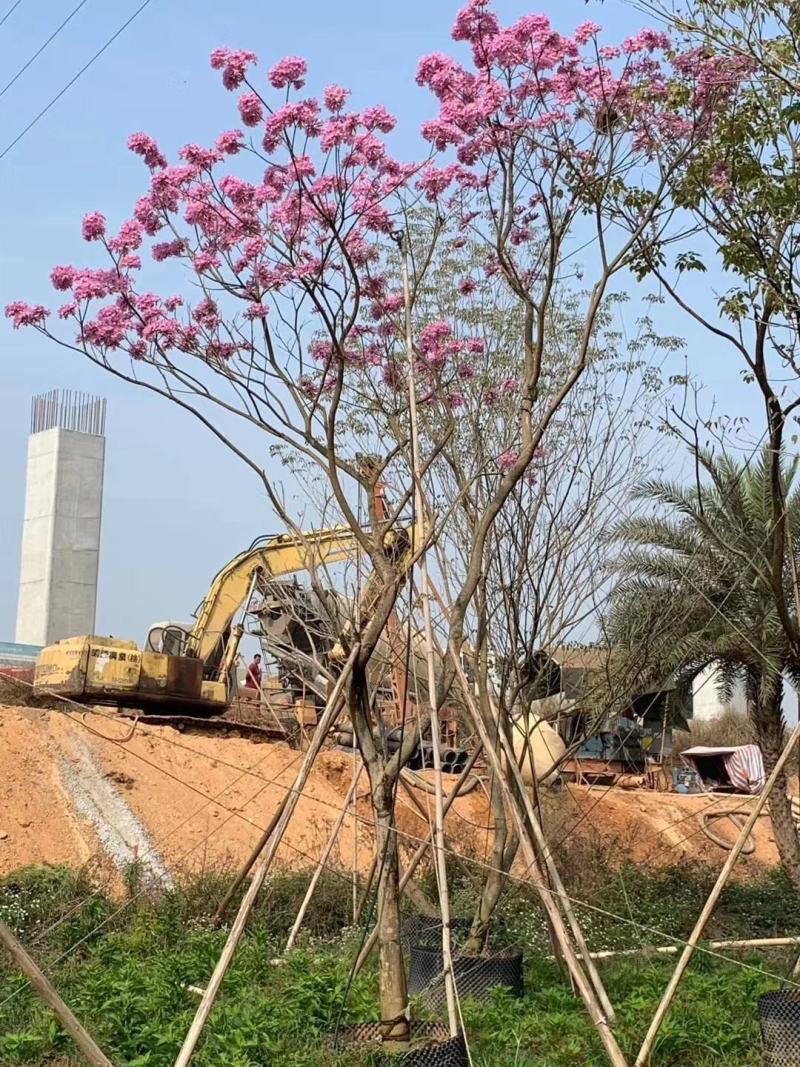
(63, 507)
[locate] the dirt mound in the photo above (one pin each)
(78, 788)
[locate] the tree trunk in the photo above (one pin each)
(393, 990)
(494, 881)
(769, 729)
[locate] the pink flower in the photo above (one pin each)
(233, 65)
(131, 262)
(335, 97)
(94, 226)
(166, 249)
(510, 385)
(66, 311)
(23, 314)
(230, 142)
(61, 277)
(207, 314)
(378, 118)
(507, 460)
(303, 167)
(128, 238)
(456, 400)
(201, 157)
(646, 40)
(474, 23)
(586, 31)
(256, 311)
(173, 302)
(206, 261)
(251, 109)
(467, 287)
(289, 71)
(144, 145)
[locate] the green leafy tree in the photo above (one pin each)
(702, 559)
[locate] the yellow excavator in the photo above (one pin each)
(191, 670)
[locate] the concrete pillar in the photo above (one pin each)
(61, 533)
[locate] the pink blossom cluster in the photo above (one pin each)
(310, 221)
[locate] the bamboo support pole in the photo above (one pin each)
(92, 1054)
(672, 950)
(337, 826)
(711, 903)
(525, 821)
(556, 883)
(440, 864)
(327, 720)
(423, 847)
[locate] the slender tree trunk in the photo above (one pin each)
(769, 728)
(393, 989)
(494, 881)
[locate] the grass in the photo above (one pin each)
(125, 975)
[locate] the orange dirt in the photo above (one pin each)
(191, 801)
(77, 789)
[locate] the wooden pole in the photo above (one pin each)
(91, 1052)
(298, 922)
(258, 848)
(440, 865)
(525, 822)
(710, 904)
(671, 950)
(327, 719)
(553, 873)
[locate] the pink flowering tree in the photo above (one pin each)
(291, 336)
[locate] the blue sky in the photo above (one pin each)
(176, 505)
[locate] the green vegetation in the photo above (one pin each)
(124, 966)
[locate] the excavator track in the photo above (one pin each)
(216, 724)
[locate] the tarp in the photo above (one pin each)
(744, 764)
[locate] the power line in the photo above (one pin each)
(72, 81)
(10, 11)
(39, 51)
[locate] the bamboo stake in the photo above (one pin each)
(322, 861)
(430, 658)
(327, 719)
(423, 847)
(90, 1050)
(525, 828)
(671, 950)
(555, 877)
(249, 862)
(708, 908)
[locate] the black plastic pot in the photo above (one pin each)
(432, 1046)
(476, 976)
(779, 1017)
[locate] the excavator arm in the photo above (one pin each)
(273, 557)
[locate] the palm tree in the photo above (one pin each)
(695, 587)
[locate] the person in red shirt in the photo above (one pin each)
(253, 679)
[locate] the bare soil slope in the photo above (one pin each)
(85, 789)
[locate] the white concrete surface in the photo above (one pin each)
(706, 703)
(61, 536)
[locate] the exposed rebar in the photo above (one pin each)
(68, 410)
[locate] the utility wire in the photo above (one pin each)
(10, 11)
(72, 80)
(39, 51)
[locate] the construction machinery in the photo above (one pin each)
(192, 671)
